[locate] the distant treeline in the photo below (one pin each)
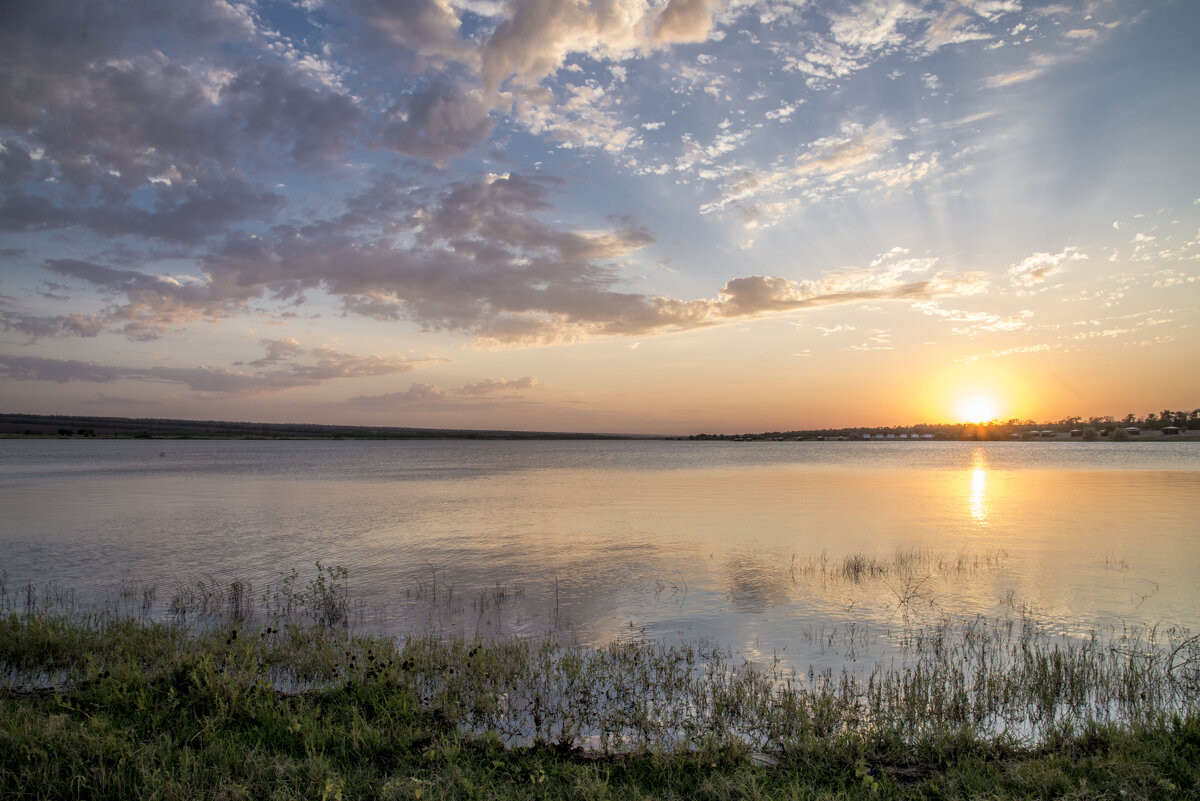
(1012, 428)
(38, 425)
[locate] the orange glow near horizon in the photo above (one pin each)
(978, 393)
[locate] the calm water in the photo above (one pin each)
(742, 543)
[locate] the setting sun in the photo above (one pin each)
(978, 409)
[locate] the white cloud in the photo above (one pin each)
(1035, 269)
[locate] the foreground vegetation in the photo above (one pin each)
(291, 702)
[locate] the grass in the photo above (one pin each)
(289, 700)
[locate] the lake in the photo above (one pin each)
(804, 553)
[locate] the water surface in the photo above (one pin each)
(743, 543)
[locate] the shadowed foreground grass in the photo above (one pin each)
(289, 701)
(102, 706)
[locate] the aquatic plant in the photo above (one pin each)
(1012, 679)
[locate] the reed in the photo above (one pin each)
(95, 701)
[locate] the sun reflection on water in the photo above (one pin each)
(977, 501)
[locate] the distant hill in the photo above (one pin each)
(40, 425)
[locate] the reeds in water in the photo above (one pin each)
(1004, 680)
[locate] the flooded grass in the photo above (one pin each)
(284, 694)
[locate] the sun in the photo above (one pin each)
(978, 408)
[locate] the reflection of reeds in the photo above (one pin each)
(860, 567)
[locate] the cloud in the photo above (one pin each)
(182, 213)
(279, 350)
(584, 119)
(491, 386)
(1038, 65)
(536, 39)
(684, 21)
(433, 396)
(272, 103)
(206, 380)
(38, 327)
(877, 339)
(478, 259)
(1035, 269)
(976, 322)
(949, 28)
(154, 304)
(866, 33)
(874, 25)
(329, 365)
(857, 157)
(991, 9)
(757, 294)
(429, 29)
(835, 329)
(111, 105)
(441, 121)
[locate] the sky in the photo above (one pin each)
(641, 216)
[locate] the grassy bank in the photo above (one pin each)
(295, 704)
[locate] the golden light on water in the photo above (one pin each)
(977, 500)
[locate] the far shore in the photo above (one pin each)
(33, 426)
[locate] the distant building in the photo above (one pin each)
(1133, 431)
(1171, 431)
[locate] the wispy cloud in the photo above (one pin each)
(325, 365)
(1039, 267)
(431, 396)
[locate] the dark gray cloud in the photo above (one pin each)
(431, 396)
(327, 365)
(491, 386)
(762, 294)
(154, 304)
(50, 50)
(189, 213)
(440, 122)
(484, 262)
(39, 327)
(22, 212)
(179, 213)
(273, 105)
(103, 130)
(427, 30)
(121, 121)
(476, 258)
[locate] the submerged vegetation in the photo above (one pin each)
(285, 697)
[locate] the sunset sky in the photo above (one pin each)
(657, 216)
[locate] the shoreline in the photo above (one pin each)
(307, 708)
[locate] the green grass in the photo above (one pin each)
(294, 703)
